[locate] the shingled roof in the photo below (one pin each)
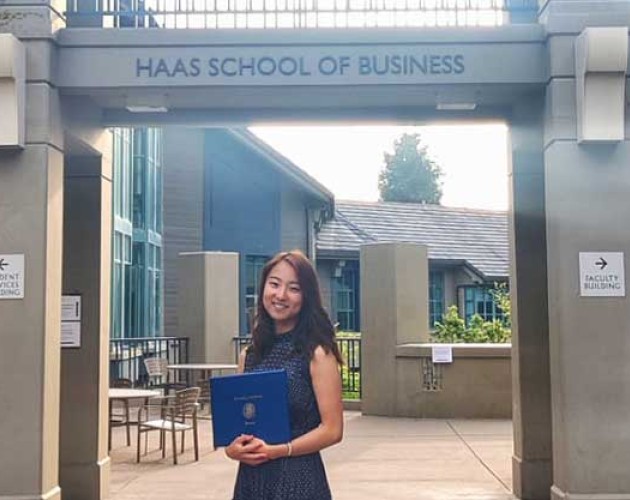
(476, 238)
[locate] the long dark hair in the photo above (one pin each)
(313, 327)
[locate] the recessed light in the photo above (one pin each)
(456, 106)
(147, 109)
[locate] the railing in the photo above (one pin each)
(350, 348)
(282, 14)
(126, 356)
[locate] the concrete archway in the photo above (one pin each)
(560, 83)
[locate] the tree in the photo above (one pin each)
(409, 175)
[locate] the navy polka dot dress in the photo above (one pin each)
(291, 478)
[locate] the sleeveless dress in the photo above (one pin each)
(287, 478)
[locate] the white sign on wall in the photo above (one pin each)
(70, 321)
(70, 334)
(442, 354)
(602, 274)
(12, 276)
(70, 308)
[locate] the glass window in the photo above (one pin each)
(479, 300)
(117, 288)
(122, 172)
(436, 297)
(253, 269)
(345, 290)
(138, 308)
(137, 271)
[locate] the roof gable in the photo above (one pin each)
(283, 165)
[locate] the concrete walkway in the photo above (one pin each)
(379, 458)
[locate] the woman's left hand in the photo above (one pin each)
(270, 451)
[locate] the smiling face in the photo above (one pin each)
(282, 296)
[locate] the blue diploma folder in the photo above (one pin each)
(250, 403)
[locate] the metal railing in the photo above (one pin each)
(350, 348)
(292, 14)
(126, 356)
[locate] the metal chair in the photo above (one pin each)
(178, 413)
(157, 371)
(119, 418)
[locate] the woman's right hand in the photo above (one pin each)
(245, 448)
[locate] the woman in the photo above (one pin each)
(292, 332)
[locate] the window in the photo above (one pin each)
(253, 268)
(436, 297)
(121, 285)
(345, 285)
(479, 300)
(137, 264)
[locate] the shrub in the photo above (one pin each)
(453, 329)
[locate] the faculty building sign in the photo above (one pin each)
(602, 274)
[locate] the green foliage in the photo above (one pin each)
(501, 297)
(453, 328)
(409, 175)
(350, 378)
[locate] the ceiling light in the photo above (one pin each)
(456, 106)
(146, 109)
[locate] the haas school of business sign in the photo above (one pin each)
(391, 63)
(300, 65)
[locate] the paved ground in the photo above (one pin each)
(379, 458)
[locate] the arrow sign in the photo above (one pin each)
(11, 276)
(602, 274)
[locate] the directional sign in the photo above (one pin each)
(602, 274)
(12, 276)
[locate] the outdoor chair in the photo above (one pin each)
(119, 416)
(157, 371)
(204, 397)
(178, 414)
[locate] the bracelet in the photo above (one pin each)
(289, 449)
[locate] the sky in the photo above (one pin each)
(347, 159)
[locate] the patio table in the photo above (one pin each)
(126, 395)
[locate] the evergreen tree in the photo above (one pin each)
(409, 175)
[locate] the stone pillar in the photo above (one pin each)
(531, 463)
(31, 221)
(208, 313)
(394, 311)
(587, 174)
(84, 460)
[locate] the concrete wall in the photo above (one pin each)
(394, 310)
(83, 457)
(208, 304)
(477, 384)
(398, 376)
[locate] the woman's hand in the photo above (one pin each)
(254, 451)
(248, 449)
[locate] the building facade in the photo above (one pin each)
(468, 255)
(234, 193)
(137, 297)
